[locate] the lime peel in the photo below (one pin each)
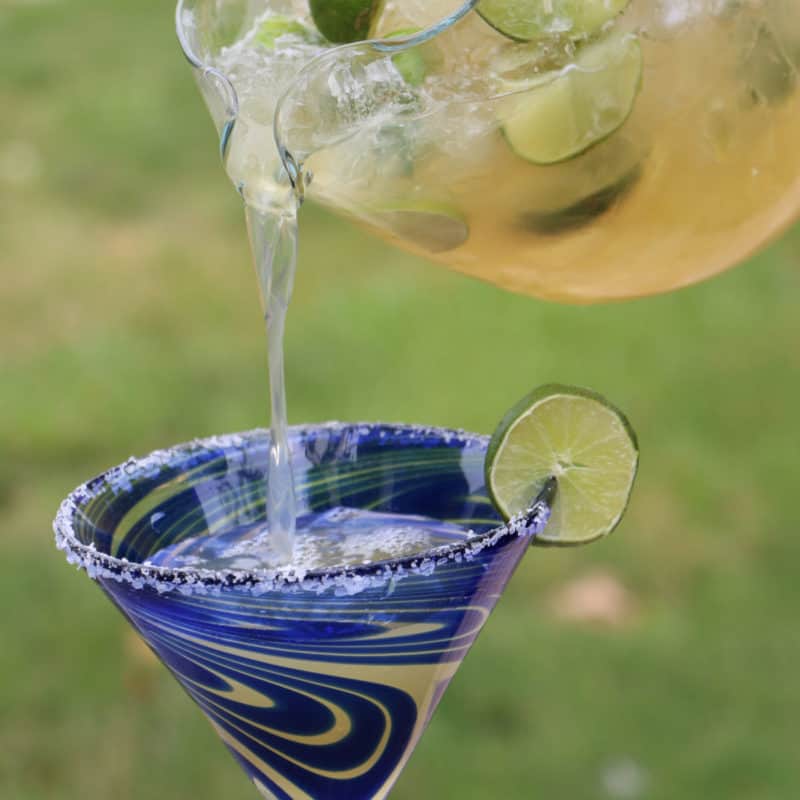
(345, 21)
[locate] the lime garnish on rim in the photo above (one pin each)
(577, 437)
(559, 116)
(525, 20)
(344, 21)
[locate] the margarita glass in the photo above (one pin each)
(585, 157)
(319, 683)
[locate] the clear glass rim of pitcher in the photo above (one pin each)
(385, 45)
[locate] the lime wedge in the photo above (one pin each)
(435, 227)
(767, 67)
(343, 21)
(525, 20)
(273, 27)
(411, 64)
(577, 437)
(583, 211)
(568, 196)
(561, 115)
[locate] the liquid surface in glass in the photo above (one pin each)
(338, 537)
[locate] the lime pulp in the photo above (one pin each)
(525, 20)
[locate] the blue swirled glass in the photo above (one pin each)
(320, 684)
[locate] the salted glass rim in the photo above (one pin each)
(348, 579)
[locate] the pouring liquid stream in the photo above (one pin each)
(273, 195)
(273, 238)
(338, 536)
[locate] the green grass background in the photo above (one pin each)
(129, 320)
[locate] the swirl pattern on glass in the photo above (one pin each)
(319, 684)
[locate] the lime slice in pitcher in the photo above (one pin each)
(412, 64)
(432, 226)
(525, 20)
(559, 116)
(344, 21)
(276, 26)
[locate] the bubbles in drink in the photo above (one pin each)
(340, 537)
(261, 64)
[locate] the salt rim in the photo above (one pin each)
(343, 580)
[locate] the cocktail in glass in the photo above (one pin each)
(319, 683)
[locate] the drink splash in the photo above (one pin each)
(257, 72)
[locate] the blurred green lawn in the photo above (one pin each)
(129, 320)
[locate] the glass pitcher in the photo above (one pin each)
(578, 152)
